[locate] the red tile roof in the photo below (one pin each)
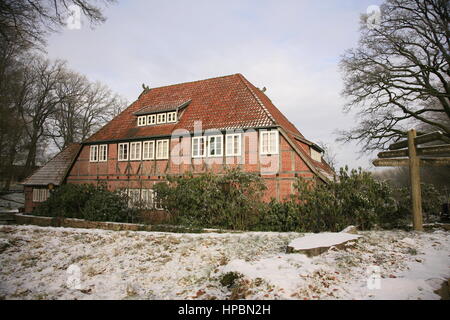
(229, 102)
(270, 108)
(162, 107)
(219, 103)
(55, 170)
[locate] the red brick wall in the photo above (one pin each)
(145, 173)
(29, 204)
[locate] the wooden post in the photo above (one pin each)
(414, 174)
(396, 158)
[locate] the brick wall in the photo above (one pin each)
(279, 171)
(29, 204)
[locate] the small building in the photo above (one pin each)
(53, 174)
(202, 126)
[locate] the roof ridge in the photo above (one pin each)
(244, 80)
(194, 81)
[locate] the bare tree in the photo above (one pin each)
(329, 155)
(41, 99)
(83, 108)
(29, 21)
(13, 95)
(398, 76)
(31, 86)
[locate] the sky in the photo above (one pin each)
(292, 48)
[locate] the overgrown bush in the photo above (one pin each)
(354, 198)
(279, 216)
(432, 200)
(86, 201)
(231, 200)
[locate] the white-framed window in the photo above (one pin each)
(198, 147)
(215, 146)
(103, 152)
(40, 194)
(151, 119)
(142, 121)
(147, 198)
(162, 149)
(233, 144)
(268, 142)
(172, 116)
(161, 118)
(157, 202)
(148, 150)
(123, 152)
(316, 155)
(134, 197)
(143, 197)
(93, 153)
(135, 150)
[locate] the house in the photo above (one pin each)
(201, 126)
(53, 174)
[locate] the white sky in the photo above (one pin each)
(290, 47)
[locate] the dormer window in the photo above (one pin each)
(151, 119)
(158, 118)
(142, 121)
(165, 112)
(316, 155)
(161, 118)
(172, 117)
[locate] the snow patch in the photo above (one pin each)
(318, 240)
(156, 265)
(283, 271)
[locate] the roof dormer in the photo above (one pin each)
(160, 114)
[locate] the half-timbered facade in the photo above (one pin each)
(201, 126)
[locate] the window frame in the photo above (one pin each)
(105, 147)
(316, 155)
(148, 142)
(261, 141)
(156, 204)
(91, 153)
(131, 201)
(227, 151)
(215, 144)
(142, 121)
(118, 151)
(149, 201)
(153, 117)
(137, 157)
(40, 194)
(173, 115)
(158, 115)
(164, 157)
(204, 147)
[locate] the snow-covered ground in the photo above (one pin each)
(12, 201)
(64, 263)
